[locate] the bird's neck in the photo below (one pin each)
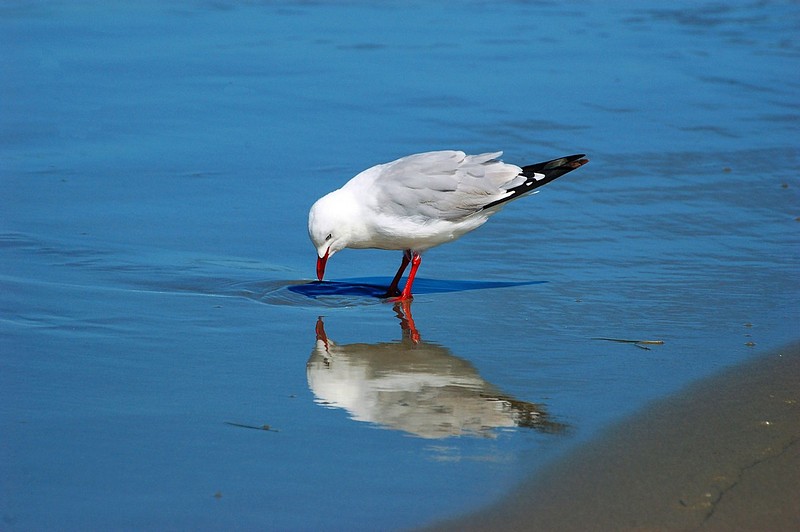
(351, 223)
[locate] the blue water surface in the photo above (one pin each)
(168, 362)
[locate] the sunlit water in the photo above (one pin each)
(158, 161)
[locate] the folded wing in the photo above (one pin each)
(441, 185)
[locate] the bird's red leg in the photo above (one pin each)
(393, 289)
(416, 260)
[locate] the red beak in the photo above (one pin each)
(321, 265)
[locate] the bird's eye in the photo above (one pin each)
(328, 237)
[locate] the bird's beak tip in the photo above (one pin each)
(321, 261)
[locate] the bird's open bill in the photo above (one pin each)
(321, 261)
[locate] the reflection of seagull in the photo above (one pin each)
(414, 386)
(421, 201)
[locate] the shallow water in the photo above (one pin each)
(158, 313)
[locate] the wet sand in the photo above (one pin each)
(723, 455)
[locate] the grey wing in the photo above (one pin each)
(443, 185)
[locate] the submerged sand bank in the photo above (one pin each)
(724, 455)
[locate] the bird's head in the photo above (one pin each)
(329, 228)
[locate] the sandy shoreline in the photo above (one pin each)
(722, 455)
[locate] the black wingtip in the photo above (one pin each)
(561, 165)
(551, 170)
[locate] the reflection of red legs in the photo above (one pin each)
(403, 310)
(393, 289)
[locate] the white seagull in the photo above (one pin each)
(421, 201)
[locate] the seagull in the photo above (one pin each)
(421, 201)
